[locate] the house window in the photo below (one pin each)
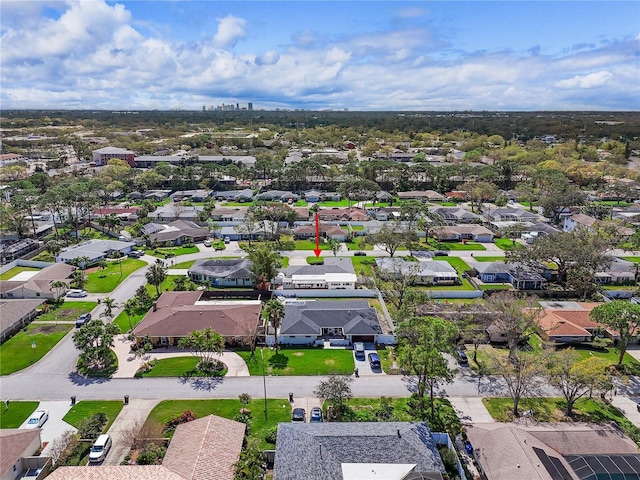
(164, 341)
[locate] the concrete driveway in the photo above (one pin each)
(471, 410)
(364, 369)
(55, 426)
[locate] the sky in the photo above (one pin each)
(358, 55)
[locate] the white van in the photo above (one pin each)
(358, 348)
(100, 448)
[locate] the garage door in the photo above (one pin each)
(363, 338)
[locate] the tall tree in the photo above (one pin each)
(520, 373)
(274, 313)
(391, 236)
(265, 262)
(109, 304)
(335, 245)
(421, 343)
(624, 318)
(156, 274)
(95, 340)
(336, 390)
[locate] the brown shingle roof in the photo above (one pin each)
(205, 449)
(132, 472)
(13, 443)
(180, 313)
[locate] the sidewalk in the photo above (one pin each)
(128, 364)
(132, 415)
(628, 407)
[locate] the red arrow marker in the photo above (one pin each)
(317, 251)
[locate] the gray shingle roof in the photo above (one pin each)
(318, 450)
(226, 268)
(355, 317)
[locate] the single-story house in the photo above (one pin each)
(245, 195)
(179, 232)
(424, 272)
(456, 215)
(356, 450)
(232, 272)
(335, 274)
(120, 212)
(423, 196)
(176, 211)
(310, 322)
(388, 213)
(518, 275)
(620, 271)
(193, 195)
(20, 459)
(39, 285)
(262, 229)
(505, 214)
(204, 448)
(95, 250)
(277, 195)
(16, 314)
(553, 451)
(474, 232)
(353, 214)
(176, 314)
(326, 230)
(228, 214)
(572, 324)
(157, 195)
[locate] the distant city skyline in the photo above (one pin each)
(355, 55)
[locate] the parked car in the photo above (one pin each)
(358, 348)
(100, 448)
(136, 254)
(374, 361)
(441, 253)
(316, 415)
(37, 419)
(298, 415)
(360, 254)
(462, 357)
(82, 319)
(227, 240)
(207, 243)
(75, 293)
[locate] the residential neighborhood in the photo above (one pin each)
(321, 310)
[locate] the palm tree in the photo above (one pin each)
(180, 282)
(157, 274)
(274, 313)
(109, 305)
(79, 278)
(130, 307)
(59, 287)
(102, 264)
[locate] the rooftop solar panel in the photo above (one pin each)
(605, 467)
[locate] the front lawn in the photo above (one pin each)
(456, 262)
(88, 408)
(18, 353)
(278, 411)
(489, 258)
(359, 246)
(455, 245)
(629, 259)
(16, 413)
(363, 265)
(178, 367)
(165, 286)
(9, 274)
(300, 361)
(125, 323)
(507, 244)
(106, 281)
(183, 265)
(170, 252)
(309, 245)
(552, 410)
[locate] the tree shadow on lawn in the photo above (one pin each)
(278, 361)
(202, 383)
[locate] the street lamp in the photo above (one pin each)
(264, 384)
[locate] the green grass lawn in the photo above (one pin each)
(313, 260)
(164, 286)
(44, 257)
(453, 246)
(183, 265)
(488, 258)
(456, 262)
(9, 274)
(278, 410)
(88, 408)
(300, 361)
(465, 285)
(632, 366)
(17, 352)
(496, 286)
(125, 324)
(629, 259)
(309, 245)
(164, 252)
(358, 246)
(364, 265)
(507, 244)
(16, 414)
(177, 367)
(552, 410)
(105, 281)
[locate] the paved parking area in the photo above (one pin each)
(55, 426)
(364, 369)
(471, 410)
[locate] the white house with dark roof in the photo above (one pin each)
(334, 274)
(456, 215)
(309, 322)
(232, 272)
(578, 219)
(424, 272)
(94, 249)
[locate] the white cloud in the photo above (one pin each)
(591, 80)
(230, 30)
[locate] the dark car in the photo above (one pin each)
(82, 319)
(441, 253)
(374, 361)
(462, 357)
(298, 415)
(360, 254)
(135, 254)
(316, 415)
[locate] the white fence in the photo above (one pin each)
(23, 263)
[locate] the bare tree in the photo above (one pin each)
(521, 374)
(60, 445)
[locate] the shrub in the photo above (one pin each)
(244, 417)
(272, 435)
(151, 454)
(287, 245)
(184, 417)
(92, 427)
